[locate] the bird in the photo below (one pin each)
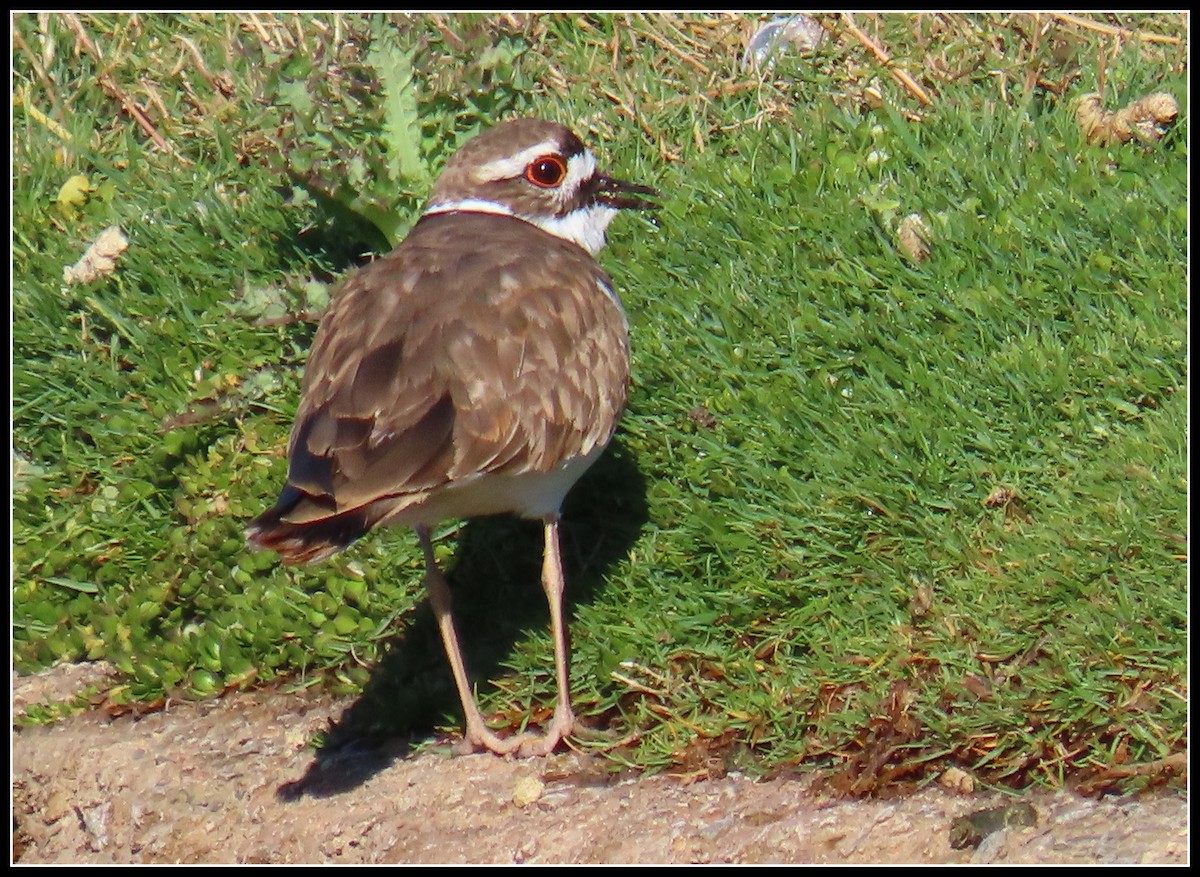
(477, 369)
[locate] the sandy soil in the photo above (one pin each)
(234, 780)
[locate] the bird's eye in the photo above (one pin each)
(547, 171)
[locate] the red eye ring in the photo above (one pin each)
(546, 172)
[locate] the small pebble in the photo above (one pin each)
(527, 790)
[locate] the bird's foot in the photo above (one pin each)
(538, 746)
(560, 726)
(481, 738)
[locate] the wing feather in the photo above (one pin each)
(506, 369)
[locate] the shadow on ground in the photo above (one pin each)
(495, 578)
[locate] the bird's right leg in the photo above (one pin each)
(478, 734)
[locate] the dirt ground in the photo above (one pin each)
(234, 780)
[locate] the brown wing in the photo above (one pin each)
(454, 355)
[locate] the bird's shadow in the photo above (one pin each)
(495, 580)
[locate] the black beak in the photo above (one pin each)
(621, 195)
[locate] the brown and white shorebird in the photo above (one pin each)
(480, 368)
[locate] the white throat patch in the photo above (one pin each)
(585, 226)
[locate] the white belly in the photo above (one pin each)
(528, 495)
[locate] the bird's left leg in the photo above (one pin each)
(554, 585)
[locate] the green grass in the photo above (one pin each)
(865, 513)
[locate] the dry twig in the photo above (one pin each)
(907, 81)
(678, 53)
(1114, 30)
(38, 68)
(115, 91)
(221, 82)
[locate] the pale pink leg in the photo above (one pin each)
(554, 586)
(478, 734)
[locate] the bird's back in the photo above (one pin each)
(478, 368)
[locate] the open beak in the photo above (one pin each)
(621, 195)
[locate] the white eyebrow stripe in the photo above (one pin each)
(513, 165)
